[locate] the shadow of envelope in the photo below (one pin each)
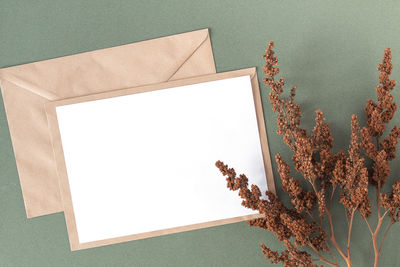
(26, 88)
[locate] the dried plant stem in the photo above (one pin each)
(369, 226)
(333, 240)
(378, 193)
(380, 220)
(349, 233)
(374, 236)
(329, 250)
(332, 235)
(322, 258)
(332, 255)
(375, 242)
(331, 198)
(378, 227)
(384, 237)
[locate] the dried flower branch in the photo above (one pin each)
(327, 172)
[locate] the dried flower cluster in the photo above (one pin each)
(348, 174)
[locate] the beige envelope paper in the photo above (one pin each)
(26, 88)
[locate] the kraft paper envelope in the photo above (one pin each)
(26, 88)
(172, 132)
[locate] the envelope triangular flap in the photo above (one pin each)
(130, 65)
(196, 62)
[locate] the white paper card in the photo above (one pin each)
(144, 162)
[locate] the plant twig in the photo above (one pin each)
(332, 255)
(369, 226)
(378, 196)
(322, 258)
(332, 235)
(375, 238)
(332, 194)
(349, 233)
(332, 238)
(384, 237)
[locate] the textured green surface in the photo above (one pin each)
(330, 49)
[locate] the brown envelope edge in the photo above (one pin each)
(39, 186)
(63, 178)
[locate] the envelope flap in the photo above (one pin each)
(102, 70)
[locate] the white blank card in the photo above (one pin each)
(145, 162)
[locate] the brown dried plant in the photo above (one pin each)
(348, 174)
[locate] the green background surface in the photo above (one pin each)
(330, 49)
